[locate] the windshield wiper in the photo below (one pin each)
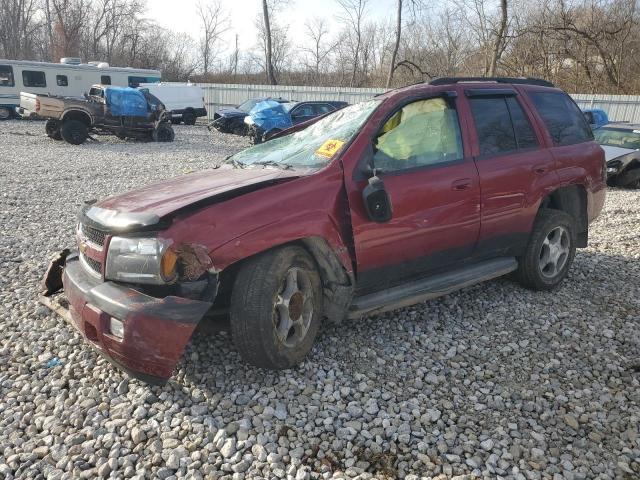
(233, 162)
(272, 163)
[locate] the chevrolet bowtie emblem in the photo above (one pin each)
(83, 247)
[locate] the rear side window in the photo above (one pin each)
(563, 118)
(6, 76)
(525, 136)
(323, 108)
(105, 80)
(32, 78)
(493, 124)
(62, 81)
(501, 125)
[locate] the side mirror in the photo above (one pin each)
(376, 201)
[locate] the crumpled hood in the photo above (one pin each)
(231, 112)
(166, 197)
(611, 152)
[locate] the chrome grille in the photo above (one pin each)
(93, 235)
(92, 264)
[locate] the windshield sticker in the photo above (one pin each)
(329, 148)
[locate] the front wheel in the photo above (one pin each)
(276, 307)
(163, 133)
(550, 251)
(189, 118)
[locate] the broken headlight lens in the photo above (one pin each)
(140, 260)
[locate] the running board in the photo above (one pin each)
(431, 287)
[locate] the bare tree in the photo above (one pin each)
(214, 23)
(499, 40)
(268, 50)
(319, 48)
(353, 17)
(414, 4)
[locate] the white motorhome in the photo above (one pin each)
(69, 78)
(185, 101)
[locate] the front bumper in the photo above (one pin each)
(156, 330)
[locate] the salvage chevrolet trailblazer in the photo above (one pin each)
(411, 195)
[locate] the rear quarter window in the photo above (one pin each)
(564, 120)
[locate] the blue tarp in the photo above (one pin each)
(270, 114)
(127, 102)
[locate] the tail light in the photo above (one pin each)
(37, 104)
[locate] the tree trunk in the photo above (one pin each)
(271, 78)
(396, 46)
(497, 45)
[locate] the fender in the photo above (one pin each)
(287, 230)
(75, 110)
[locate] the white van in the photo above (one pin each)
(185, 101)
(70, 78)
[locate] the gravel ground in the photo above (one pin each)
(493, 381)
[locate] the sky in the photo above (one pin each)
(180, 16)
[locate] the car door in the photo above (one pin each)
(417, 151)
(302, 113)
(515, 171)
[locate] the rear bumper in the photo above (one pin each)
(156, 330)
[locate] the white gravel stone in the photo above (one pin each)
(494, 381)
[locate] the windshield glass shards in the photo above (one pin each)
(314, 146)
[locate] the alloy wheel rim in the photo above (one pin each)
(293, 308)
(554, 252)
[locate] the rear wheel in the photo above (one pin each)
(74, 132)
(189, 118)
(5, 113)
(52, 128)
(550, 251)
(163, 133)
(276, 307)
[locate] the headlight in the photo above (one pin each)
(248, 120)
(140, 260)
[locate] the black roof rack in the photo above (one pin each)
(517, 80)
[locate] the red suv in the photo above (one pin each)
(411, 195)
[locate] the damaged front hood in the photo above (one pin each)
(231, 112)
(611, 152)
(148, 205)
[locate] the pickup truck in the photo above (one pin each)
(106, 110)
(410, 195)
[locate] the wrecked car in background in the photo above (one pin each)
(268, 118)
(231, 120)
(121, 111)
(383, 204)
(621, 145)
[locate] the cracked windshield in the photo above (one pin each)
(312, 147)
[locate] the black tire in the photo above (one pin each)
(630, 178)
(551, 227)
(52, 128)
(74, 132)
(189, 118)
(258, 309)
(163, 133)
(5, 113)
